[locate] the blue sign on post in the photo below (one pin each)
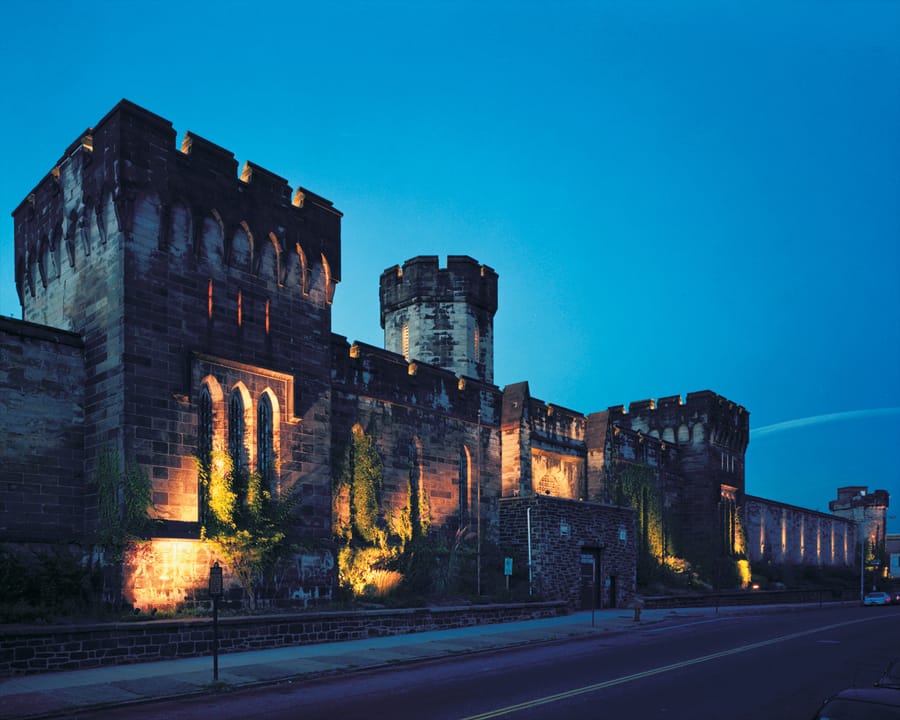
(507, 566)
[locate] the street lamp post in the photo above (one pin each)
(478, 511)
(862, 560)
(215, 592)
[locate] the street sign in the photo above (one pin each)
(215, 581)
(507, 566)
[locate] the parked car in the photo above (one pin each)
(877, 598)
(862, 704)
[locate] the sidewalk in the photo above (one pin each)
(61, 693)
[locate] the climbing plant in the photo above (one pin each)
(365, 488)
(635, 487)
(246, 524)
(123, 501)
(375, 539)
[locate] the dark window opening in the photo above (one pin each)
(265, 446)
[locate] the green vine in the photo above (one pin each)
(375, 539)
(635, 487)
(365, 488)
(123, 499)
(246, 524)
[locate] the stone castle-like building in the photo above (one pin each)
(170, 305)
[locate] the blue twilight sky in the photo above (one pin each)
(677, 195)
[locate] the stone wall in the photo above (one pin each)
(33, 650)
(786, 534)
(544, 448)
(173, 573)
(428, 425)
(709, 434)
(156, 254)
(42, 484)
(562, 532)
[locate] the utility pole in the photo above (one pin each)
(478, 510)
(862, 562)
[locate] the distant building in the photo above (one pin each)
(171, 307)
(868, 512)
(893, 555)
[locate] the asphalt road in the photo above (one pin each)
(773, 666)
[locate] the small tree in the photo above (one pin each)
(244, 522)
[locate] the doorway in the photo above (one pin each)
(590, 579)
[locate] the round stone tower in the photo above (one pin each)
(441, 316)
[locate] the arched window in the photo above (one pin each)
(205, 426)
(236, 429)
(265, 445)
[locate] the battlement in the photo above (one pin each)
(360, 369)
(556, 423)
(674, 418)
(204, 153)
(702, 400)
(125, 180)
(421, 279)
(859, 496)
(128, 128)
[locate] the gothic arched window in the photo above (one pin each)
(236, 429)
(205, 426)
(265, 445)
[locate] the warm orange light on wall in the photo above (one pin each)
(267, 317)
(240, 308)
(165, 573)
(209, 302)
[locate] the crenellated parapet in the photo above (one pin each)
(556, 425)
(702, 418)
(126, 184)
(441, 316)
(365, 370)
(421, 279)
(544, 449)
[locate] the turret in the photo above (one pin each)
(441, 316)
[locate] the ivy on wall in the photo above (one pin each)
(635, 486)
(375, 540)
(245, 523)
(123, 499)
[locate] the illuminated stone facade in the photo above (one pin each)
(171, 306)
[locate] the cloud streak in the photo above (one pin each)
(767, 430)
